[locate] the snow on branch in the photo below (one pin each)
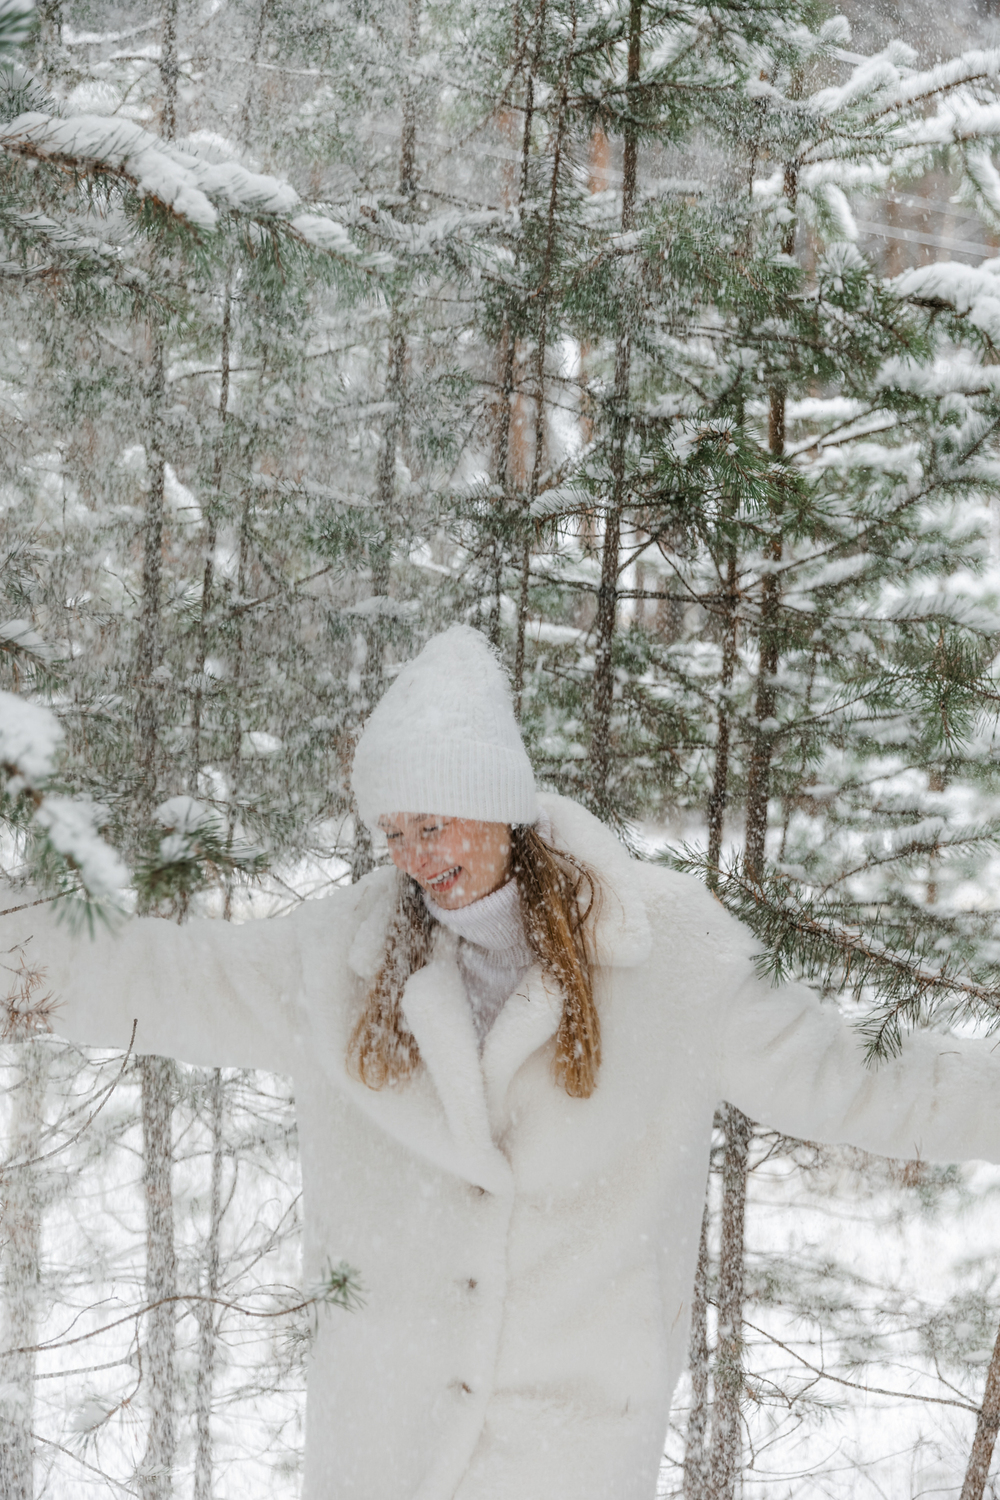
(323, 232)
(30, 737)
(194, 188)
(970, 291)
(192, 178)
(970, 67)
(888, 82)
(876, 76)
(957, 123)
(65, 250)
(30, 740)
(39, 228)
(70, 826)
(193, 848)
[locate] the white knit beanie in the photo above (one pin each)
(443, 739)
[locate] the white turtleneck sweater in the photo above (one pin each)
(493, 952)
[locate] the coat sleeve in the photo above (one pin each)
(212, 993)
(798, 1066)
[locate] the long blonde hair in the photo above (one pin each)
(559, 897)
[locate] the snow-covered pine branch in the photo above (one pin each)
(196, 186)
(64, 829)
(96, 146)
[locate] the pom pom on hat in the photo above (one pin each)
(443, 739)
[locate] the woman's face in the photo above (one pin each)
(455, 860)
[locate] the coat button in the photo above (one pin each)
(472, 1283)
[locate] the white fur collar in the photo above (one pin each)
(621, 933)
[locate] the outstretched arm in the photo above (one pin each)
(799, 1066)
(210, 992)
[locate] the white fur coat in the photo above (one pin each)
(527, 1258)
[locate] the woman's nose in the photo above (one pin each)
(406, 856)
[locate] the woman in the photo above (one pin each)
(507, 1052)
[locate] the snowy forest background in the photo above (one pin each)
(661, 341)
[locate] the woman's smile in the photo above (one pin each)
(419, 841)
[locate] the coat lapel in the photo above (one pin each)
(437, 1011)
(528, 1019)
(440, 1112)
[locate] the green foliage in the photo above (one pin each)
(17, 22)
(192, 855)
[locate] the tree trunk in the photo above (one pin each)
(158, 1353)
(372, 673)
(728, 1373)
(211, 536)
(169, 70)
(20, 1244)
(720, 779)
(156, 1073)
(501, 465)
(50, 25)
(385, 487)
(408, 141)
(541, 343)
(207, 1328)
(598, 178)
(762, 743)
(987, 1427)
(607, 593)
(370, 649)
(239, 672)
(695, 1452)
(148, 649)
(252, 81)
(935, 783)
(518, 417)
